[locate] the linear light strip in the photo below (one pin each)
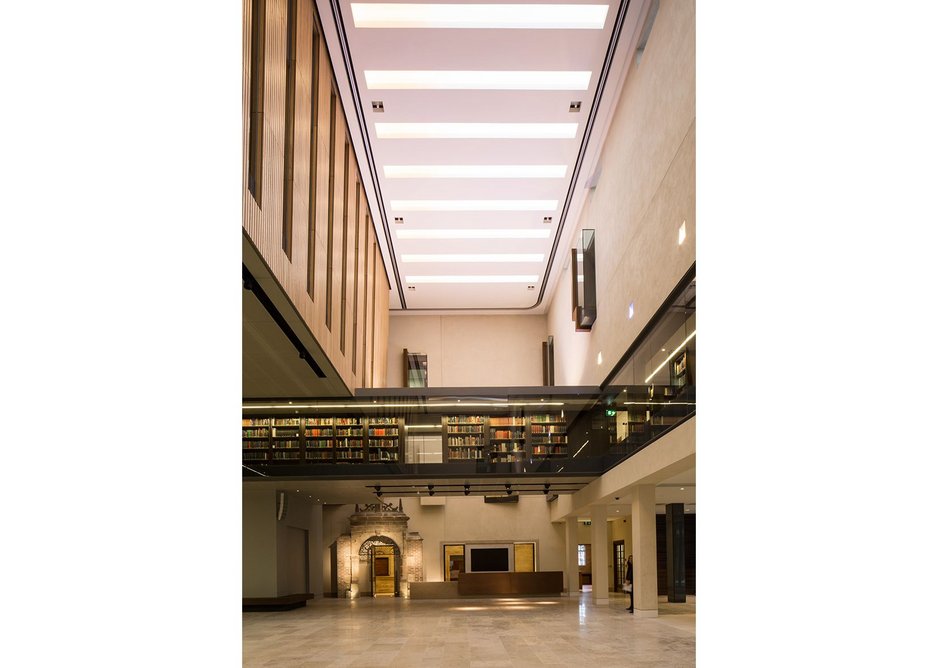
(472, 257)
(470, 404)
(475, 171)
(476, 130)
(541, 233)
(487, 16)
(477, 80)
(668, 358)
(473, 204)
(491, 278)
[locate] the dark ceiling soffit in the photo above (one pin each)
(372, 170)
(360, 117)
(655, 319)
(250, 283)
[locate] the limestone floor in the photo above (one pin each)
(470, 633)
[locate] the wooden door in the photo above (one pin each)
(383, 570)
(618, 564)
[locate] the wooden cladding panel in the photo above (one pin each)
(265, 225)
(382, 318)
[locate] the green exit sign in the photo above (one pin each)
(610, 413)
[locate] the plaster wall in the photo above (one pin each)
(259, 543)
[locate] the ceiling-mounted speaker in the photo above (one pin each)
(594, 177)
(281, 505)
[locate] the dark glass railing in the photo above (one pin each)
(470, 432)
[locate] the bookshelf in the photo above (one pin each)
(384, 440)
(349, 439)
(255, 439)
(506, 439)
(285, 439)
(548, 436)
(464, 437)
(318, 437)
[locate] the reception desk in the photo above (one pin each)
(543, 583)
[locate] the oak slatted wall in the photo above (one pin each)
(305, 284)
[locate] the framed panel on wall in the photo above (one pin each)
(454, 562)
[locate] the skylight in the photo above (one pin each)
(491, 16)
(473, 204)
(476, 80)
(484, 278)
(476, 130)
(475, 171)
(488, 233)
(472, 257)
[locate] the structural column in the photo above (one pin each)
(677, 573)
(572, 566)
(315, 551)
(600, 549)
(644, 552)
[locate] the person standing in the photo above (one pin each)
(629, 586)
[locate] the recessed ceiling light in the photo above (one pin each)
(488, 233)
(476, 130)
(475, 171)
(476, 80)
(493, 16)
(473, 204)
(473, 279)
(473, 257)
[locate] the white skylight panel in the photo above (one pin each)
(486, 16)
(473, 204)
(476, 130)
(483, 278)
(476, 80)
(487, 233)
(472, 257)
(475, 171)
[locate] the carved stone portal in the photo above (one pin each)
(378, 530)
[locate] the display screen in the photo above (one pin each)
(489, 559)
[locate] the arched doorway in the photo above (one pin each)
(384, 557)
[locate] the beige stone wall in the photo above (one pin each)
(647, 189)
(469, 351)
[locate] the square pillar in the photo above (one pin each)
(644, 552)
(599, 533)
(315, 552)
(572, 568)
(677, 573)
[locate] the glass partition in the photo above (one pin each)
(474, 432)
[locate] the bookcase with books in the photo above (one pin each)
(349, 439)
(464, 437)
(506, 438)
(548, 436)
(285, 439)
(255, 439)
(384, 440)
(318, 438)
